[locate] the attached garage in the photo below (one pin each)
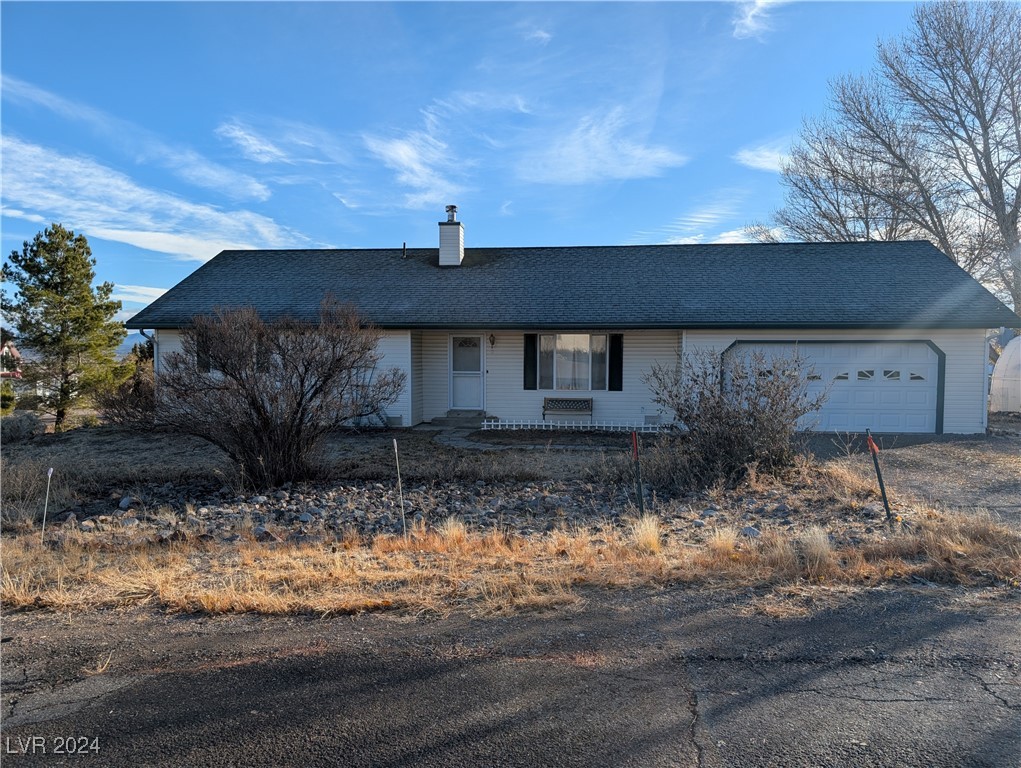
(883, 385)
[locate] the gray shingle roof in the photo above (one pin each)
(785, 285)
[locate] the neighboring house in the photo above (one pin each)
(10, 361)
(895, 330)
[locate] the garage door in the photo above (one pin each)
(883, 386)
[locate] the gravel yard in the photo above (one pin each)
(163, 487)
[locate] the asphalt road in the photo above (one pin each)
(669, 678)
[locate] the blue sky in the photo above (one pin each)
(166, 132)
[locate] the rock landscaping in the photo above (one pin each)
(336, 511)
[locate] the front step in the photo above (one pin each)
(461, 419)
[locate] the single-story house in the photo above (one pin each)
(895, 330)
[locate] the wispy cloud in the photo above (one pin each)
(419, 160)
(596, 149)
(752, 19)
(468, 102)
(426, 160)
(105, 203)
(695, 225)
(252, 145)
(283, 141)
(137, 294)
(142, 145)
(768, 156)
(539, 35)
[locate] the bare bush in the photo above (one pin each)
(736, 413)
(20, 425)
(131, 403)
(268, 393)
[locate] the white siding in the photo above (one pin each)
(417, 375)
(967, 388)
(396, 349)
(964, 401)
(167, 342)
(435, 374)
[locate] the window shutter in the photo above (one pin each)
(531, 360)
(616, 362)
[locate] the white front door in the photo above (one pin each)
(466, 372)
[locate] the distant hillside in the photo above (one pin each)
(131, 340)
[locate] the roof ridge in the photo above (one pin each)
(399, 248)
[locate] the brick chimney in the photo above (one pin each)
(451, 239)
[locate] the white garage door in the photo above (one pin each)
(885, 386)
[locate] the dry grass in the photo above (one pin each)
(452, 567)
(23, 492)
(817, 553)
(851, 482)
(646, 534)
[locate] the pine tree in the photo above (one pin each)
(63, 322)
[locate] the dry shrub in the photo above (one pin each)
(19, 426)
(268, 393)
(131, 403)
(736, 411)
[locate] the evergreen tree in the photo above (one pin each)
(143, 352)
(63, 322)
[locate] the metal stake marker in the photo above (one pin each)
(46, 504)
(874, 450)
(638, 473)
(400, 490)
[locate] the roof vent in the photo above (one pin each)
(451, 239)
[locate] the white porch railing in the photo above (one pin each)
(589, 426)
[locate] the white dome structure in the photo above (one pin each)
(1005, 388)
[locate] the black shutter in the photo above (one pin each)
(616, 374)
(531, 360)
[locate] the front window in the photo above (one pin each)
(572, 361)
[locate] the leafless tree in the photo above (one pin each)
(267, 393)
(927, 146)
